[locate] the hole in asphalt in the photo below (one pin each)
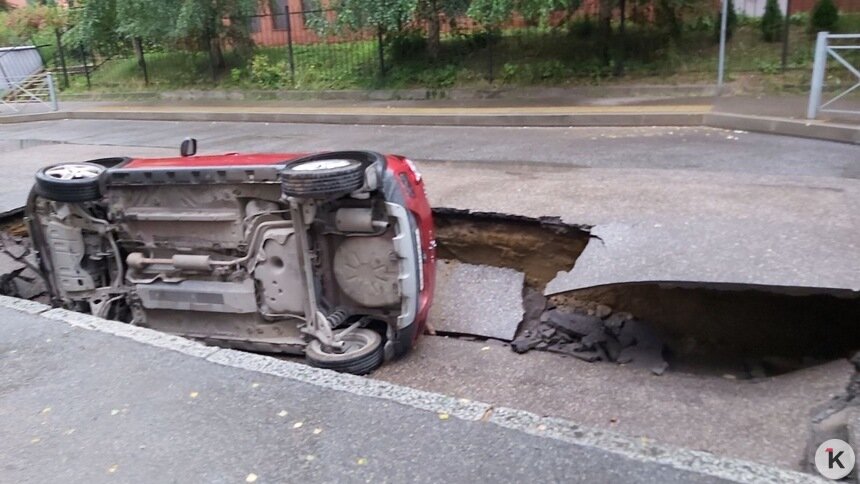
(736, 331)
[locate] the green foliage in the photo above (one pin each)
(771, 22)
(491, 12)
(825, 16)
(731, 22)
(406, 45)
(388, 15)
(267, 73)
(582, 28)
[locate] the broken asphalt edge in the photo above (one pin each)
(824, 131)
(641, 449)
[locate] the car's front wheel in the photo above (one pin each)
(362, 353)
(70, 182)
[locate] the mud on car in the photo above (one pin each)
(329, 255)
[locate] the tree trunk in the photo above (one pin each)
(604, 28)
(434, 30)
(137, 45)
(434, 39)
(216, 54)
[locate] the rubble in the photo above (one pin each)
(604, 336)
(18, 277)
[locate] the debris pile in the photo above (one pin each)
(603, 336)
(19, 276)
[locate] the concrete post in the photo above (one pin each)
(52, 92)
(818, 67)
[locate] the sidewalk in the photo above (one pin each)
(80, 405)
(783, 115)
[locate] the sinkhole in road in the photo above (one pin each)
(740, 330)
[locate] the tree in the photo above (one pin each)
(432, 12)
(825, 16)
(205, 20)
(771, 22)
(4, 6)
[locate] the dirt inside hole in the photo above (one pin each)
(537, 247)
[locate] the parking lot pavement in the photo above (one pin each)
(84, 406)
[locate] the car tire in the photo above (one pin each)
(364, 356)
(70, 182)
(324, 178)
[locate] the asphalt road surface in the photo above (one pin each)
(668, 204)
(82, 406)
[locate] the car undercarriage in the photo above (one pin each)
(326, 255)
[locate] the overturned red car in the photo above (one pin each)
(330, 255)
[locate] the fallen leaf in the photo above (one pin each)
(114, 412)
(485, 348)
(443, 415)
(282, 413)
(193, 394)
(35, 440)
(309, 457)
(317, 431)
(46, 410)
(255, 385)
(251, 477)
(361, 461)
(113, 469)
(297, 425)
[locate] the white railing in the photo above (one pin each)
(824, 48)
(38, 89)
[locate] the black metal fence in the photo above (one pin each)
(309, 50)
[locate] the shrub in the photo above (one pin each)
(407, 45)
(824, 17)
(771, 22)
(731, 22)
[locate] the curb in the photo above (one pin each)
(760, 124)
(641, 450)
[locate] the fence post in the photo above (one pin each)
(62, 56)
(86, 67)
(52, 92)
(290, 56)
(721, 67)
(818, 67)
(381, 49)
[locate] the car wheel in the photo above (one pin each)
(322, 178)
(362, 353)
(70, 182)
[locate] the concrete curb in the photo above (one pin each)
(778, 126)
(641, 450)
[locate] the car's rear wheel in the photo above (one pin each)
(361, 354)
(70, 182)
(322, 178)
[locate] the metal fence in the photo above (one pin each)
(307, 49)
(833, 47)
(33, 91)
